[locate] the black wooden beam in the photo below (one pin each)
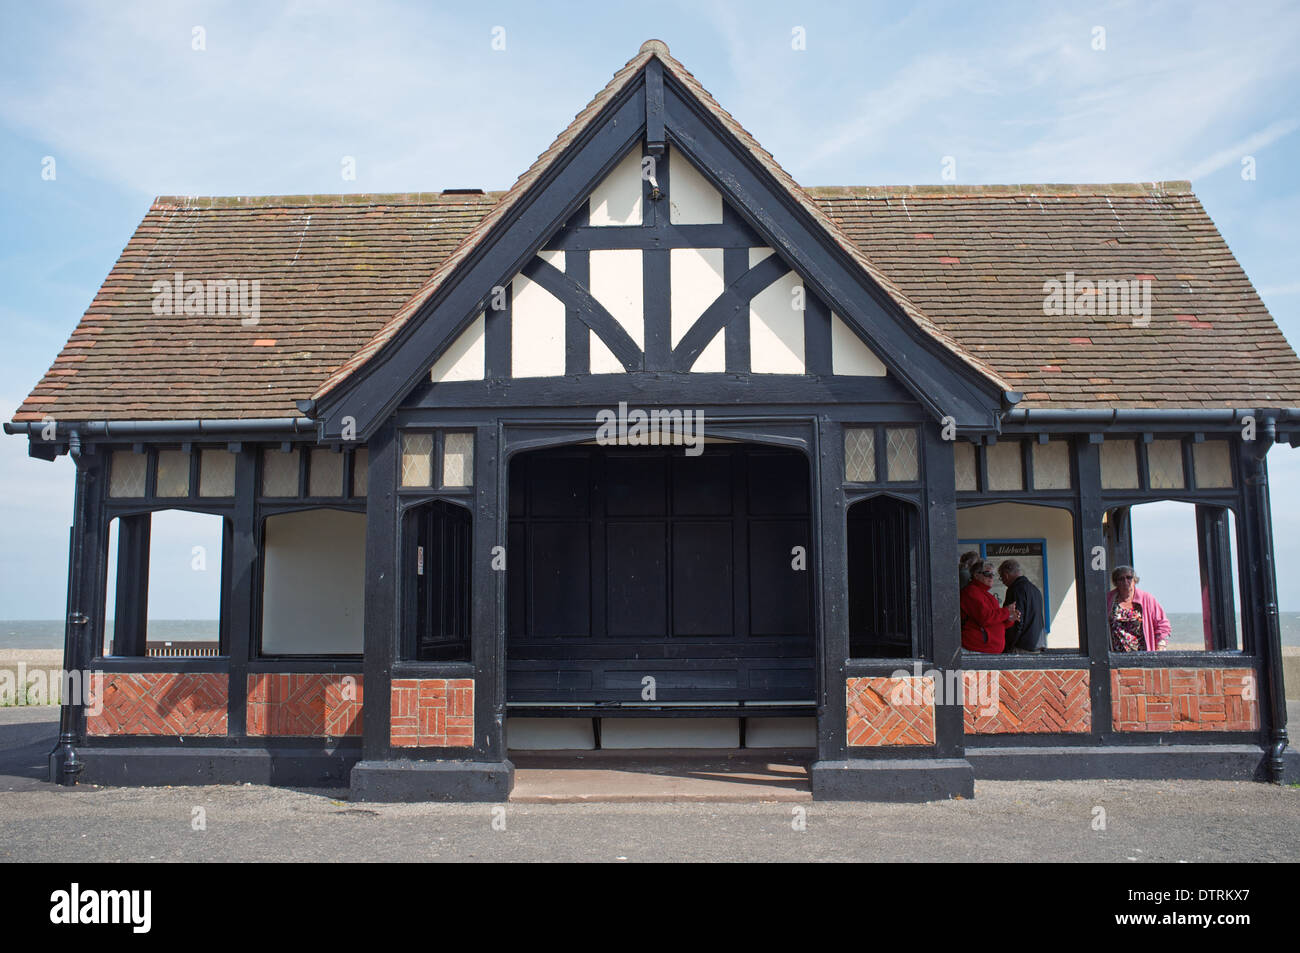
(663, 236)
(733, 301)
(654, 107)
(938, 378)
(497, 355)
(590, 311)
(816, 334)
(376, 388)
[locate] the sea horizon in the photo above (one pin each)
(37, 634)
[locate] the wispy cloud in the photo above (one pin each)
(1248, 146)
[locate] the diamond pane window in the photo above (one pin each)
(900, 454)
(417, 457)
(360, 472)
(964, 459)
(326, 475)
(1119, 470)
(173, 477)
(1052, 465)
(1213, 464)
(279, 473)
(126, 478)
(1165, 464)
(458, 459)
(216, 473)
(860, 455)
(1004, 466)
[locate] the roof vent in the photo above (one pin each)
(462, 191)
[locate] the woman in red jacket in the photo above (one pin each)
(983, 621)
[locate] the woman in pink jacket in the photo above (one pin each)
(1137, 622)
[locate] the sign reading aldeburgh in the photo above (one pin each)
(654, 428)
(1007, 550)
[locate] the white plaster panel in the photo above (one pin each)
(776, 329)
(1027, 521)
(670, 733)
(536, 331)
(465, 360)
(553, 256)
(696, 283)
(713, 359)
(550, 734)
(691, 199)
(313, 595)
(781, 733)
(616, 283)
(603, 360)
(758, 254)
(617, 200)
(849, 354)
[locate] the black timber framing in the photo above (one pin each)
(376, 389)
(943, 383)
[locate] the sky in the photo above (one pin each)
(134, 100)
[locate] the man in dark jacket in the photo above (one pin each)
(1026, 634)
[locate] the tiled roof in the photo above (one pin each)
(332, 269)
(339, 275)
(975, 260)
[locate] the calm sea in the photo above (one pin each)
(48, 633)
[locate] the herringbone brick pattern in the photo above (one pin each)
(305, 706)
(1026, 701)
(890, 711)
(1184, 699)
(432, 713)
(157, 703)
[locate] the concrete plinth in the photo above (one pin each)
(432, 780)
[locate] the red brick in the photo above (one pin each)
(432, 713)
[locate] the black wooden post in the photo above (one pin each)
(488, 588)
(1260, 581)
(380, 639)
(1093, 573)
(85, 542)
(245, 565)
(940, 572)
(1214, 549)
(831, 530)
(131, 595)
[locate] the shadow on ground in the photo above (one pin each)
(26, 737)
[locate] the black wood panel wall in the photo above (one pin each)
(625, 560)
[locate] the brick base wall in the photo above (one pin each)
(1027, 701)
(157, 703)
(1184, 699)
(432, 713)
(304, 706)
(890, 711)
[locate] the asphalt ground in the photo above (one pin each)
(1065, 821)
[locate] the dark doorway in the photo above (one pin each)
(628, 564)
(436, 554)
(882, 578)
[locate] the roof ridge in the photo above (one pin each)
(171, 202)
(1111, 189)
(619, 81)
